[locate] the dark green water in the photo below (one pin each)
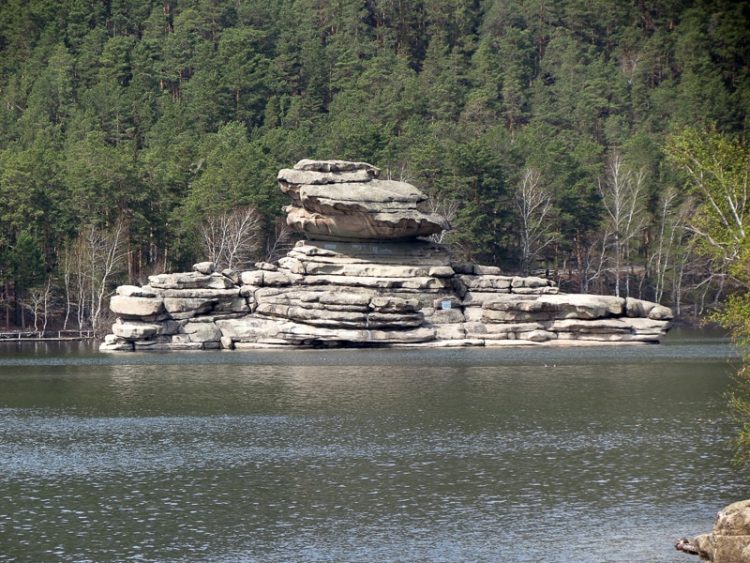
(542, 454)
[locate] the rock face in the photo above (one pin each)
(345, 201)
(364, 278)
(729, 542)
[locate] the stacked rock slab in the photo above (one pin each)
(340, 200)
(363, 277)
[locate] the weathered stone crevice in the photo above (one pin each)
(363, 282)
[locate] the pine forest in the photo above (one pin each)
(597, 142)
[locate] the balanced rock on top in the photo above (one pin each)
(345, 201)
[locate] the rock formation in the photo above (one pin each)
(363, 277)
(729, 542)
(345, 201)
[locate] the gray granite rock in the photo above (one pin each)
(205, 268)
(113, 343)
(132, 330)
(202, 332)
(136, 291)
(338, 200)
(336, 166)
(729, 541)
(365, 279)
(189, 280)
(188, 307)
(354, 225)
(143, 308)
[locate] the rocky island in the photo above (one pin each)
(365, 276)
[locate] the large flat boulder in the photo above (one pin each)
(372, 196)
(398, 252)
(299, 333)
(296, 177)
(585, 306)
(133, 330)
(335, 166)
(415, 283)
(143, 308)
(491, 283)
(258, 278)
(190, 280)
(640, 308)
(546, 308)
(362, 225)
(135, 291)
(358, 269)
(248, 329)
(292, 179)
(597, 326)
(202, 332)
(114, 343)
(205, 268)
(186, 308)
(218, 294)
(317, 298)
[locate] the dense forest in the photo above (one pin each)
(555, 135)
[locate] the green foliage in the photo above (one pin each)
(230, 172)
(233, 172)
(718, 169)
(25, 260)
(157, 113)
(477, 182)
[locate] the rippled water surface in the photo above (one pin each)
(525, 454)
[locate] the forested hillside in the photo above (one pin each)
(131, 131)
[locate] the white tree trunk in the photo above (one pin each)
(534, 206)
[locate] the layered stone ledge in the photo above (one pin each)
(340, 200)
(368, 294)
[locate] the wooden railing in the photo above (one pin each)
(46, 335)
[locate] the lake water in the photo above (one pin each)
(526, 454)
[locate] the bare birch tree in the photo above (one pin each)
(105, 254)
(38, 301)
(623, 198)
(448, 208)
(278, 241)
(594, 262)
(534, 205)
(671, 245)
(89, 263)
(66, 272)
(232, 239)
